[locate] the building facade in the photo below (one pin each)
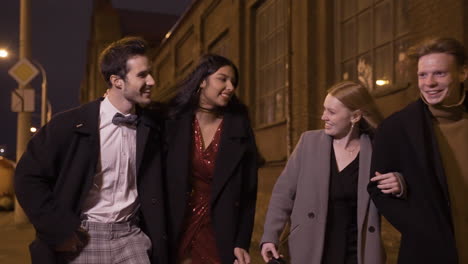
(109, 24)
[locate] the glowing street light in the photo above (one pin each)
(3, 53)
(33, 130)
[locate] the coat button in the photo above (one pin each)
(311, 215)
(371, 229)
(154, 201)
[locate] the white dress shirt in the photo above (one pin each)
(113, 196)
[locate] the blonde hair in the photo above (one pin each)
(356, 97)
(440, 45)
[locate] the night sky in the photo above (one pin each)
(60, 32)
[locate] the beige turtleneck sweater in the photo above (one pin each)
(451, 130)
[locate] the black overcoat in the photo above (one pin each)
(234, 189)
(54, 176)
(406, 143)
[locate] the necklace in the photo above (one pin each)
(349, 150)
(215, 111)
(208, 110)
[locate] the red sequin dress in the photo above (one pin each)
(198, 241)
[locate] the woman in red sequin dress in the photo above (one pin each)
(211, 168)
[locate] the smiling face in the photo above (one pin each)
(439, 78)
(136, 88)
(218, 88)
(337, 117)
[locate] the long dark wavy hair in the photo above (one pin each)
(188, 95)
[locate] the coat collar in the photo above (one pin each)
(88, 118)
(233, 144)
(322, 160)
(87, 123)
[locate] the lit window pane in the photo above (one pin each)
(280, 74)
(401, 17)
(383, 23)
(383, 68)
(271, 53)
(279, 103)
(365, 71)
(349, 39)
(364, 32)
(349, 70)
(402, 63)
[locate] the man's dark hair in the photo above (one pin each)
(113, 59)
(440, 45)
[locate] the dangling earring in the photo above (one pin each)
(198, 90)
(352, 125)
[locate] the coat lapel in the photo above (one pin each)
(322, 179)
(87, 125)
(230, 152)
(365, 155)
(179, 142)
(143, 130)
(317, 172)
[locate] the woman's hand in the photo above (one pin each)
(269, 251)
(388, 183)
(242, 256)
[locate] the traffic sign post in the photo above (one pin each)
(23, 71)
(22, 100)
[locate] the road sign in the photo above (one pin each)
(22, 100)
(23, 71)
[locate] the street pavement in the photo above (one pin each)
(14, 240)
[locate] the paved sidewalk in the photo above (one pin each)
(14, 241)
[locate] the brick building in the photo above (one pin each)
(110, 24)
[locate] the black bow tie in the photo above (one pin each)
(130, 120)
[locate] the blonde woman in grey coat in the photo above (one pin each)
(323, 188)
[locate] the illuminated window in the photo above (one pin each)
(271, 61)
(372, 39)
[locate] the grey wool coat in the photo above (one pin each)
(301, 196)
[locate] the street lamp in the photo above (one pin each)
(3, 53)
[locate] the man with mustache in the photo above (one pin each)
(427, 142)
(81, 178)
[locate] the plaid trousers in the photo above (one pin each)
(114, 243)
